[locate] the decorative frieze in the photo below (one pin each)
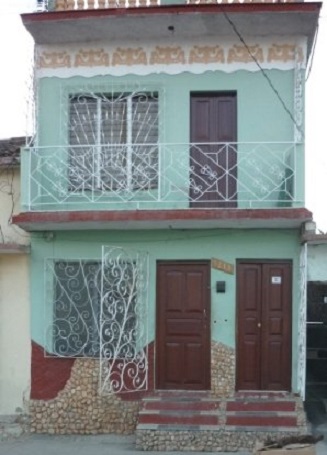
(282, 53)
(172, 58)
(207, 54)
(167, 55)
(54, 60)
(129, 56)
(240, 54)
(91, 57)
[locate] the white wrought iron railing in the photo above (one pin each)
(165, 176)
(41, 6)
(62, 5)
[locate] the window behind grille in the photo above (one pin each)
(76, 326)
(114, 142)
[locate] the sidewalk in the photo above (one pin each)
(80, 445)
(92, 445)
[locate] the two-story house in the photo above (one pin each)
(165, 197)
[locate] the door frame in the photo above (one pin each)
(264, 261)
(207, 263)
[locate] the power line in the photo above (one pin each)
(263, 72)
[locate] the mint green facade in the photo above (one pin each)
(226, 245)
(261, 118)
(270, 166)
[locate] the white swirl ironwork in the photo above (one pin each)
(73, 308)
(146, 175)
(124, 327)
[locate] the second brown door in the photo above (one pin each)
(264, 300)
(183, 325)
(213, 156)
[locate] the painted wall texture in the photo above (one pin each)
(15, 356)
(15, 334)
(317, 262)
(10, 204)
(260, 115)
(227, 245)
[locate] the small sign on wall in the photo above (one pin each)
(218, 264)
(276, 280)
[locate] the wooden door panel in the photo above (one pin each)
(193, 355)
(249, 314)
(276, 326)
(264, 326)
(201, 122)
(183, 327)
(173, 354)
(175, 291)
(194, 291)
(175, 327)
(251, 375)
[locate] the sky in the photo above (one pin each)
(16, 51)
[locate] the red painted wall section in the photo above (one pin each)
(49, 374)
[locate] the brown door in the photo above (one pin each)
(183, 325)
(213, 158)
(264, 299)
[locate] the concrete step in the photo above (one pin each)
(260, 406)
(179, 411)
(178, 418)
(261, 419)
(173, 405)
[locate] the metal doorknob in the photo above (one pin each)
(259, 324)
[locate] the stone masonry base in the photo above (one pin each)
(206, 441)
(78, 408)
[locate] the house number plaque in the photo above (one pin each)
(222, 265)
(276, 280)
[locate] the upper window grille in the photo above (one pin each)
(113, 141)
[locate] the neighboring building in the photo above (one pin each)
(316, 377)
(15, 359)
(165, 193)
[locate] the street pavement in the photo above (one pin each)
(80, 445)
(95, 445)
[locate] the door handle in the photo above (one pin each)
(259, 325)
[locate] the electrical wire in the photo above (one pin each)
(264, 73)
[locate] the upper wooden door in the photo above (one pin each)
(183, 325)
(213, 159)
(264, 299)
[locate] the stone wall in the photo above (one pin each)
(79, 409)
(222, 370)
(206, 441)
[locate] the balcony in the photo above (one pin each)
(163, 177)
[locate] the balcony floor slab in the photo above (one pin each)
(287, 218)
